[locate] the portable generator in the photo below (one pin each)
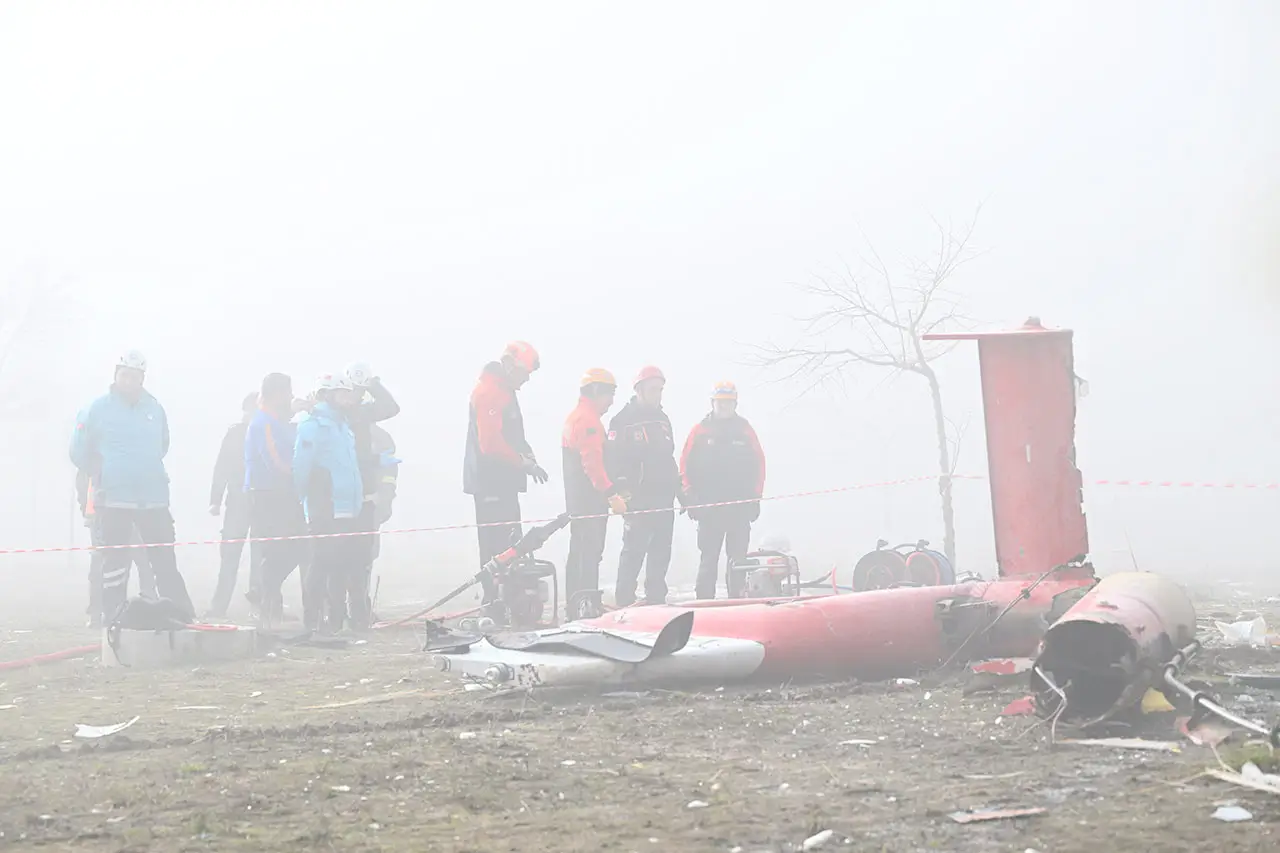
(764, 573)
(525, 587)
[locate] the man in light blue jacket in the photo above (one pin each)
(326, 475)
(120, 442)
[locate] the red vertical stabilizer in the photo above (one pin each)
(1029, 403)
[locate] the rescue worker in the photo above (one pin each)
(380, 406)
(120, 443)
(589, 494)
(274, 508)
(722, 462)
(641, 456)
(229, 487)
(326, 475)
(146, 580)
(498, 461)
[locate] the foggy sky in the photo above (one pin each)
(243, 187)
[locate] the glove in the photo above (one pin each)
(214, 509)
(753, 511)
(531, 467)
(617, 504)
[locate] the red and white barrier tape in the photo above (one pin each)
(1186, 484)
(473, 525)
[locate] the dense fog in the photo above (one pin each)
(241, 188)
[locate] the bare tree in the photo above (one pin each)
(870, 318)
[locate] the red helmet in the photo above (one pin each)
(522, 354)
(649, 372)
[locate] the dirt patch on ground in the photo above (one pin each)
(238, 757)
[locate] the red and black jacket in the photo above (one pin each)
(722, 461)
(587, 487)
(641, 455)
(495, 438)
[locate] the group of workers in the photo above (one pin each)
(313, 480)
(318, 467)
(628, 469)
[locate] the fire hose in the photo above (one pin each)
(1205, 702)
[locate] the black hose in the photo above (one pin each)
(1208, 703)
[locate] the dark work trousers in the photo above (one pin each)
(236, 525)
(360, 613)
(275, 513)
(727, 527)
(646, 540)
(586, 547)
(146, 580)
(155, 526)
(336, 563)
(503, 513)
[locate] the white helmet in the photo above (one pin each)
(133, 360)
(331, 382)
(359, 373)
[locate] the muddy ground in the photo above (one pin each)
(239, 757)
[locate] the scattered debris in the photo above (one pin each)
(1232, 814)
(368, 700)
(697, 804)
(995, 814)
(1126, 743)
(197, 708)
(1249, 777)
(7, 707)
(858, 742)
(989, 777)
(1154, 702)
(1024, 707)
(467, 735)
(813, 842)
(1261, 680)
(93, 732)
(340, 789)
(1002, 666)
(1209, 731)
(1252, 632)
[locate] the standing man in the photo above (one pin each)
(722, 462)
(499, 461)
(229, 484)
(326, 475)
(120, 442)
(274, 508)
(380, 406)
(588, 491)
(642, 461)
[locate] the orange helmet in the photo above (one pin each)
(725, 391)
(598, 376)
(522, 354)
(649, 372)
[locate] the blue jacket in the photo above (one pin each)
(268, 453)
(326, 470)
(121, 446)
